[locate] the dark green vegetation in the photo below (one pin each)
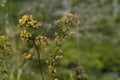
(95, 46)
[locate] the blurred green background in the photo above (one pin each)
(95, 46)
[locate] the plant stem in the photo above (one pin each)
(39, 60)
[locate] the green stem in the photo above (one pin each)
(39, 60)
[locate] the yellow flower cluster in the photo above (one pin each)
(29, 22)
(3, 38)
(67, 21)
(4, 44)
(25, 35)
(27, 56)
(42, 40)
(72, 18)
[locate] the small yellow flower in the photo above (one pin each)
(27, 56)
(30, 23)
(42, 40)
(25, 35)
(22, 21)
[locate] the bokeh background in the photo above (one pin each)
(95, 46)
